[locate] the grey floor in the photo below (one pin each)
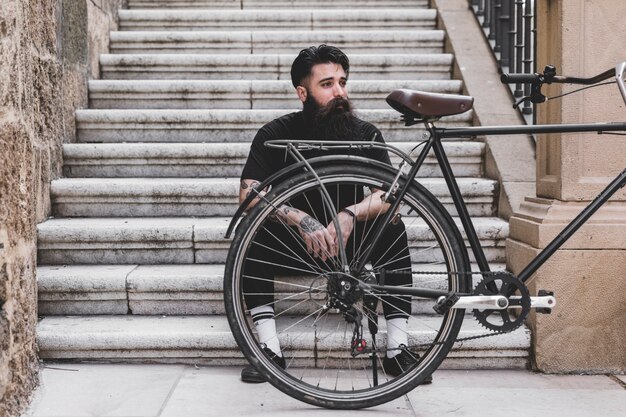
(76, 390)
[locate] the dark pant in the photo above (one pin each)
(279, 250)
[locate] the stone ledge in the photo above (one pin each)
(273, 4)
(540, 220)
(207, 339)
(153, 197)
(282, 19)
(239, 94)
(270, 66)
(284, 42)
(219, 125)
(206, 160)
(159, 289)
(201, 240)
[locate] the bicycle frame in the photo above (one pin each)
(402, 183)
(434, 143)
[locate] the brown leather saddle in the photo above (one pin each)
(422, 105)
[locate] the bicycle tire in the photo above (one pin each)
(435, 333)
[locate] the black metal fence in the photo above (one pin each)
(510, 27)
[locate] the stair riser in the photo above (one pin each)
(238, 94)
(316, 19)
(208, 339)
(205, 72)
(197, 240)
(276, 42)
(170, 304)
(166, 289)
(219, 160)
(85, 168)
(269, 67)
(74, 256)
(219, 126)
(273, 4)
(135, 198)
(105, 208)
(518, 359)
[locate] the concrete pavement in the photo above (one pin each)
(76, 390)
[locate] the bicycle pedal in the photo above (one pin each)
(445, 303)
(551, 301)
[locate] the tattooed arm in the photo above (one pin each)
(316, 237)
(245, 188)
(368, 209)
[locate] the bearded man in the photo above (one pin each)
(320, 76)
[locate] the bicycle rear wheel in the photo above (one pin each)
(316, 341)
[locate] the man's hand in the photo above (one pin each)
(346, 222)
(317, 238)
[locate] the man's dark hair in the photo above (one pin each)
(313, 55)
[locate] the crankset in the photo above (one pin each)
(502, 319)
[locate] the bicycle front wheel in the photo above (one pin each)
(268, 266)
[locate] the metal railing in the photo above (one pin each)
(510, 27)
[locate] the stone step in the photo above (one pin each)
(175, 197)
(162, 240)
(281, 42)
(155, 289)
(204, 160)
(273, 4)
(220, 125)
(208, 340)
(144, 66)
(240, 94)
(277, 19)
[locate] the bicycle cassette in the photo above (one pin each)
(503, 283)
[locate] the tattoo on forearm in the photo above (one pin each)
(310, 225)
(244, 185)
(252, 186)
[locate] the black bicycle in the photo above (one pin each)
(327, 313)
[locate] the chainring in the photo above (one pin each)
(503, 283)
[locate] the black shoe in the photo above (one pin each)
(251, 375)
(402, 362)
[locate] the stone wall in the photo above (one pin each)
(48, 51)
(585, 332)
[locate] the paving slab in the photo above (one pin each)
(77, 390)
(74, 390)
(497, 393)
(221, 391)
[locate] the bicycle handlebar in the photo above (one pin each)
(549, 76)
(520, 78)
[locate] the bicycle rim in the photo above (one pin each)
(315, 342)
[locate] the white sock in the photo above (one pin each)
(263, 318)
(396, 335)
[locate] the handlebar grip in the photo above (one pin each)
(520, 78)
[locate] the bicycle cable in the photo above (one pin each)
(580, 89)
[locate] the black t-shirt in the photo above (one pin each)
(264, 161)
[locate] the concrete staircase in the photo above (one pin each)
(131, 263)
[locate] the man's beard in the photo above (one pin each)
(333, 121)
